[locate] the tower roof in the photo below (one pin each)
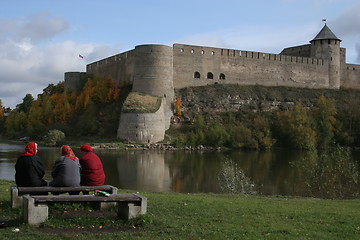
(325, 33)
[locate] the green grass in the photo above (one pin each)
(196, 216)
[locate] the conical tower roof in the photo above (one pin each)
(325, 33)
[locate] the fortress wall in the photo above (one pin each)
(301, 51)
(119, 67)
(143, 127)
(342, 55)
(350, 76)
(154, 70)
(245, 67)
(72, 80)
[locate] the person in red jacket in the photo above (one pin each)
(92, 171)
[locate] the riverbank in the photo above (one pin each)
(195, 216)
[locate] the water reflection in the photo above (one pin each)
(251, 172)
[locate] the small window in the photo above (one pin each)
(222, 76)
(210, 75)
(196, 75)
(202, 51)
(181, 50)
(212, 53)
(192, 50)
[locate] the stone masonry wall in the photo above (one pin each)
(247, 68)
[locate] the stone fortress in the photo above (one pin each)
(159, 69)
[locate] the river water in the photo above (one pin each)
(265, 173)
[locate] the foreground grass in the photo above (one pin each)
(196, 216)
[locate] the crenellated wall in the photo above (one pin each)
(245, 67)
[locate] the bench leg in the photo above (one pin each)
(16, 200)
(130, 210)
(127, 211)
(106, 205)
(114, 190)
(34, 215)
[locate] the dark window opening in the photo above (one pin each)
(222, 76)
(196, 75)
(210, 75)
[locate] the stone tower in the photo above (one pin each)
(153, 75)
(326, 46)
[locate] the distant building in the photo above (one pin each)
(158, 69)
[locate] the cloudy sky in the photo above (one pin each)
(42, 39)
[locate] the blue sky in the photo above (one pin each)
(42, 39)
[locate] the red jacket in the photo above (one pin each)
(92, 172)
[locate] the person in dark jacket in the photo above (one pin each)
(92, 171)
(29, 170)
(66, 170)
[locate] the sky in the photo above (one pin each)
(40, 40)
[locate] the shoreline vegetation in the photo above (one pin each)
(194, 216)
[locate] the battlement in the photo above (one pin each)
(197, 51)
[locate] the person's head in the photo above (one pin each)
(86, 148)
(30, 149)
(68, 152)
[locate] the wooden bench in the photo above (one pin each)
(35, 208)
(16, 193)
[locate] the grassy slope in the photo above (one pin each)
(199, 216)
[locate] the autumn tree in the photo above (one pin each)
(177, 106)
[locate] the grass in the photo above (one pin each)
(196, 216)
(141, 103)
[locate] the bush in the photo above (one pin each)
(54, 138)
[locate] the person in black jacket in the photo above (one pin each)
(29, 168)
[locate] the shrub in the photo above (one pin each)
(54, 138)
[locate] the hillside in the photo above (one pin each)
(228, 98)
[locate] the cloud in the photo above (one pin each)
(358, 52)
(35, 28)
(29, 62)
(347, 27)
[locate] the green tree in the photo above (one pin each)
(324, 114)
(242, 137)
(296, 128)
(216, 135)
(26, 104)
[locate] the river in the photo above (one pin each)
(251, 172)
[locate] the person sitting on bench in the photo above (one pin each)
(66, 170)
(29, 168)
(92, 171)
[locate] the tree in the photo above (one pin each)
(324, 115)
(177, 106)
(296, 127)
(26, 104)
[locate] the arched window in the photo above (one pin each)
(196, 75)
(210, 75)
(222, 76)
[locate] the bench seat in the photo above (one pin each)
(16, 193)
(35, 208)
